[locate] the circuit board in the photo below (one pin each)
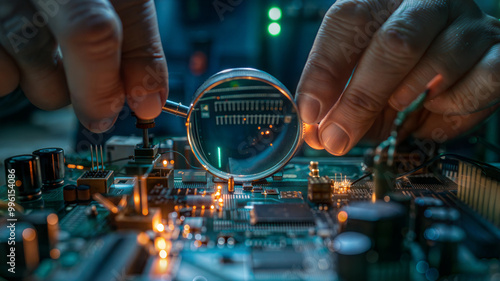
(310, 221)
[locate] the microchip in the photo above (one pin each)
(291, 195)
(271, 191)
(257, 189)
(194, 177)
(281, 213)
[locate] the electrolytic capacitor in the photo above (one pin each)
(27, 176)
(351, 249)
(381, 221)
(52, 166)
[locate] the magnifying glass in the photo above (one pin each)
(243, 123)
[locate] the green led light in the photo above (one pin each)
(274, 29)
(218, 153)
(274, 13)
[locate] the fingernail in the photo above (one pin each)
(334, 139)
(309, 108)
(101, 126)
(149, 106)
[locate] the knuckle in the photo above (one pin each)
(399, 41)
(360, 103)
(322, 67)
(97, 29)
(352, 12)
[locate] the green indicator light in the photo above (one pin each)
(274, 13)
(218, 153)
(274, 29)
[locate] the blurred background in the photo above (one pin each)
(200, 38)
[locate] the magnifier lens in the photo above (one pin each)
(244, 124)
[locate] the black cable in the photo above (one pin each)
(361, 178)
(185, 159)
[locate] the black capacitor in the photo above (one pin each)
(421, 204)
(444, 240)
(52, 166)
(27, 176)
(382, 222)
(351, 249)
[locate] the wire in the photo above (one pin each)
(361, 178)
(185, 159)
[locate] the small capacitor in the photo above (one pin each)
(52, 166)
(83, 192)
(69, 193)
(230, 185)
(23, 172)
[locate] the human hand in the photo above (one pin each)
(396, 47)
(110, 50)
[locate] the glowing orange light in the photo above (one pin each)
(71, 166)
(160, 243)
(52, 219)
(203, 207)
(267, 132)
(244, 119)
(270, 126)
(160, 227)
(271, 144)
(165, 163)
(163, 254)
(19, 183)
(55, 254)
(29, 234)
(342, 216)
(186, 227)
(79, 167)
(172, 162)
(197, 243)
(374, 198)
(262, 133)
(212, 207)
(258, 128)
(220, 200)
(219, 187)
(163, 264)
(142, 238)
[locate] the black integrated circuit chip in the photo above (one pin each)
(281, 213)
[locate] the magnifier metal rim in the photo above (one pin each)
(253, 177)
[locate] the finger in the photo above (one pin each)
(31, 45)
(441, 127)
(311, 136)
(478, 90)
(393, 52)
(89, 33)
(144, 67)
(451, 55)
(9, 73)
(345, 32)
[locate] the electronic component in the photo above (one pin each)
(24, 176)
(69, 193)
(281, 213)
(319, 190)
(51, 166)
(290, 195)
(98, 179)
